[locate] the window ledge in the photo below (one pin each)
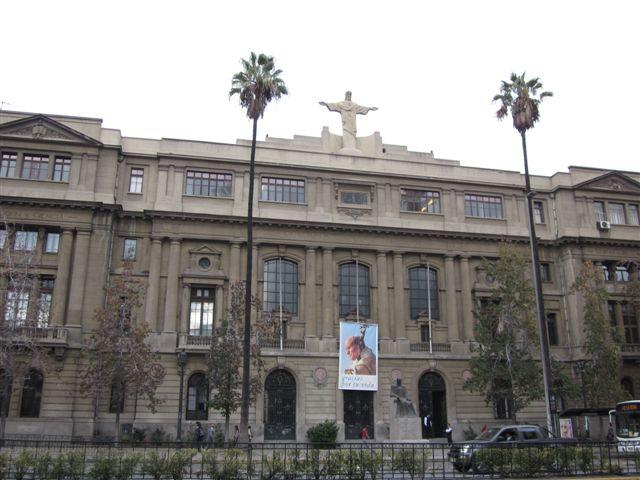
(422, 213)
(54, 182)
(275, 202)
(485, 218)
(207, 196)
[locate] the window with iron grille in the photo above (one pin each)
(35, 167)
(116, 398)
(422, 201)
(354, 290)
(552, 329)
(286, 190)
(483, 206)
(630, 323)
(31, 394)
(44, 304)
(61, 169)
(201, 311)
(613, 321)
(8, 164)
(208, 184)
(280, 286)
(423, 292)
(135, 180)
(197, 397)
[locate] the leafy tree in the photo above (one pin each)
(225, 357)
(120, 360)
(504, 366)
(256, 85)
(601, 370)
(21, 316)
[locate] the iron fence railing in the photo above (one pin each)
(48, 459)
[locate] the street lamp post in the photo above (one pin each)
(182, 361)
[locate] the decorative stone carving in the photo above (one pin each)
(354, 212)
(39, 130)
(348, 111)
(320, 377)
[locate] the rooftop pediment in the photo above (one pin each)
(41, 127)
(611, 182)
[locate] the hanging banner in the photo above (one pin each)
(358, 361)
(566, 428)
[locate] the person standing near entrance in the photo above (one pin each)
(364, 433)
(449, 433)
(426, 421)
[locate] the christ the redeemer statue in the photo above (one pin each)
(348, 111)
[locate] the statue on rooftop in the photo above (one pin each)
(348, 111)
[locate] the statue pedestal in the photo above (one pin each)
(405, 428)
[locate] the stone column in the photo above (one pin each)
(78, 277)
(327, 292)
(234, 262)
(153, 288)
(384, 322)
(571, 299)
(467, 309)
(183, 323)
(171, 297)
(310, 319)
(398, 297)
(218, 307)
(452, 310)
(60, 289)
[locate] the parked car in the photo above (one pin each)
(462, 455)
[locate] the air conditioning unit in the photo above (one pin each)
(604, 225)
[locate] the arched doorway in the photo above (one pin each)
(280, 406)
(432, 396)
(358, 413)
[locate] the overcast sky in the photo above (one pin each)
(163, 69)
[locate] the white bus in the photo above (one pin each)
(627, 426)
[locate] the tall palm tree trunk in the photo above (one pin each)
(542, 324)
(246, 347)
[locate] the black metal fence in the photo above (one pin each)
(67, 460)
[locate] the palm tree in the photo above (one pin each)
(257, 84)
(520, 98)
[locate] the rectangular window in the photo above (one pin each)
(61, 169)
(538, 212)
(25, 241)
(201, 311)
(208, 184)
(601, 214)
(545, 272)
(613, 323)
(616, 213)
(3, 238)
(15, 310)
(483, 206)
(44, 306)
(129, 251)
(349, 197)
(422, 201)
(634, 219)
(630, 323)
(284, 190)
(552, 329)
(8, 164)
(35, 167)
(135, 180)
(52, 242)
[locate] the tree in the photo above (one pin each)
(504, 368)
(256, 85)
(601, 370)
(21, 315)
(522, 99)
(225, 357)
(120, 360)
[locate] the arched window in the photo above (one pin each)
(280, 286)
(627, 385)
(5, 392)
(31, 394)
(197, 397)
(423, 292)
(354, 290)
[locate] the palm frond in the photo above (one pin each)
(520, 98)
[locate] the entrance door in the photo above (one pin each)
(280, 406)
(433, 403)
(358, 413)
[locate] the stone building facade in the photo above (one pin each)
(412, 228)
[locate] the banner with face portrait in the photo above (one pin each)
(358, 360)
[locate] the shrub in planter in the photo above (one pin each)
(272, 468)
(410, 460)
(323, 434)
(155, 465)
(313, 465)
(585, 459)
(5, 465)
(211, 464)
(231, 468)
(42, 466)
(353, 465)
(103, 468)
(372, 462)
(567, 459)
(159, 436)
(333, 462)
(492, 460)
(125, 468)
(178, 462)
(22, 463)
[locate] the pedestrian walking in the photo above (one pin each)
(236, 435)
(364, 433)
(249, 433)
(199, 435)
(210, 434)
